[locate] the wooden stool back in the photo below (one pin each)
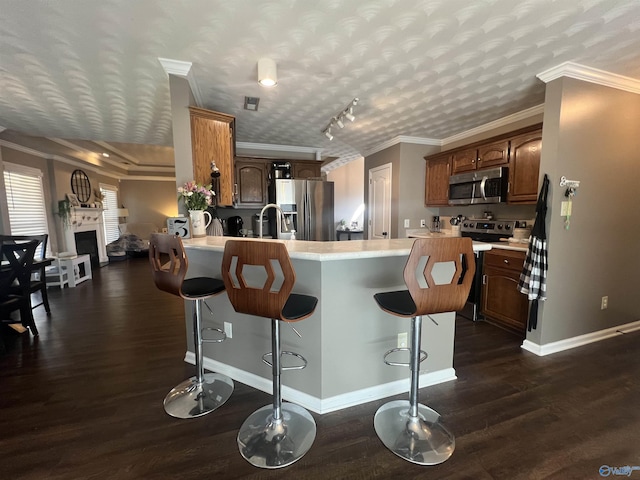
(438, 298)
(261, 302)
(169, 262)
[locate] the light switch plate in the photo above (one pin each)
(407, 223)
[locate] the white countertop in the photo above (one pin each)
(426, 233)
(326, 251)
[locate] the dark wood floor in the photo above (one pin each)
(84, 401)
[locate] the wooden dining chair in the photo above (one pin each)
(15, 280)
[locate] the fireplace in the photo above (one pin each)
(87, 244)
(85, 235)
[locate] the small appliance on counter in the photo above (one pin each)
(234, 225)
(280, 170)
(255, 222)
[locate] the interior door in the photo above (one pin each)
(380, 202)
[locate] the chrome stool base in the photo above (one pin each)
(422, 440)
(191, 400)
(268, 443)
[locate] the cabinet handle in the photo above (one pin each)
(506, 261)
(235, 188)
(484, 279)
(473, 160)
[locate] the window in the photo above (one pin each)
(110, 214)
(25, 200)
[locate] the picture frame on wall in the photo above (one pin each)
(73, 199)
(180, 226)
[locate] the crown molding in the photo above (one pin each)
(592, 75)
(501, 122)
(147, 178)
(2, 129)
(183, 70)
(23, 149)
(402, 139)
(279, 148)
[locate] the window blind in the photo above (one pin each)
(110, 214)
(25, 200)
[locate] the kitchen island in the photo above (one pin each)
(346, 337)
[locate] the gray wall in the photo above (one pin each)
(591, 134)
(181, 99)
(389, 155)
(149, 201)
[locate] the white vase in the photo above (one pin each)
(198, 224)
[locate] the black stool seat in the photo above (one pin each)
(298, 306)
(198, 287)
(397, 303)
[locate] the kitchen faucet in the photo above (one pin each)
(279, 216)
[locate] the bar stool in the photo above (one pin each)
(202, 393)
(409, 429)
(276, 435)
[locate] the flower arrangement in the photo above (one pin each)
(196, 197)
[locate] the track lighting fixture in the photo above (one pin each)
(349, 115)
(338, 120)
(327, 133)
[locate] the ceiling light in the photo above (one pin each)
(105, 154)
(349, 114)
(327, 133)
(267, 74)
(338, 120)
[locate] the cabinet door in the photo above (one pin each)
(306, 169)
(524, 168)
(213, 139)
(436, 184)
(493, 155)
(502, 302)
(251, 179)
(464, 160)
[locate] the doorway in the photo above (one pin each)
(380, 202)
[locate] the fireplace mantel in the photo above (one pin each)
(85, 220)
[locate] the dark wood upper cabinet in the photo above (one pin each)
(524, 167)
(484, 156)
(493, 154)
(305, 169)
(436, 185)
(251, 179)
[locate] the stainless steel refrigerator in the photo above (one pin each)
(307, 207)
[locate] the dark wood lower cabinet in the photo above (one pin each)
(502, 302)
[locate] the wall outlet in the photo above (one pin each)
(423, 223)
(402, 340)
(228, 329)
(604, 304)
(407, 223)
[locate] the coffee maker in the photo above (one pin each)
(234, 225)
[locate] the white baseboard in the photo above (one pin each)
(330, 404)
(573, 342)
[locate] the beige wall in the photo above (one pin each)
(149, 201)
(348, 190)
(591, 135)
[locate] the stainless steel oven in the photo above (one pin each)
(483, 186)
(483, 230)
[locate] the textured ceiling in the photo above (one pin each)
(89, 70)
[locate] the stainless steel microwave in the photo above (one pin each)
(482, 186)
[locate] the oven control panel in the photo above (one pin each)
(489, 228)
